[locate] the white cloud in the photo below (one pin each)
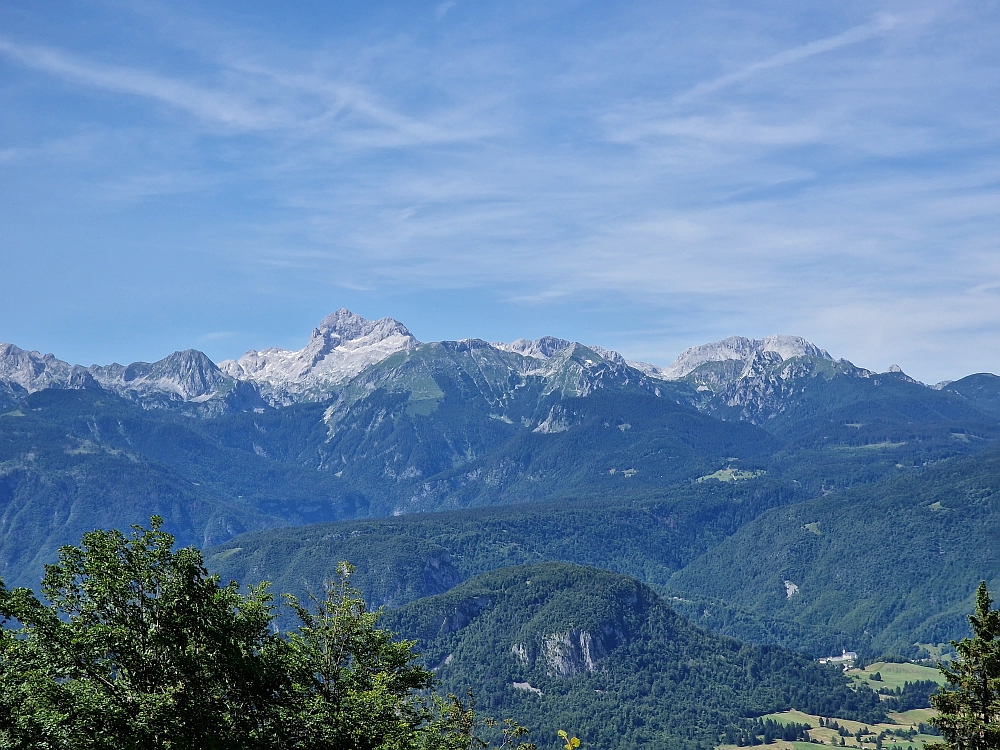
(206, 104)
(552, 169)
(882, 23)
(442, 9)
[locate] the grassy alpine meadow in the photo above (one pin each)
(906, 731)
(895, 675)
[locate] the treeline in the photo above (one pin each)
(911, 695)
(764, 732)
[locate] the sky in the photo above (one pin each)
(646, 176)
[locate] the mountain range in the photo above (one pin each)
(735, 378)
(760, 488)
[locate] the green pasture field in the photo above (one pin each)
(904, 721)
(895, 675)
(731, 475)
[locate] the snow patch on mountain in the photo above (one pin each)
(342, 346)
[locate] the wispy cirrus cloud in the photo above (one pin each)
(212, 105)
(688, 174)
(881, 24)
(257, 97)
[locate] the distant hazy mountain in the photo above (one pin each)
(743, 351)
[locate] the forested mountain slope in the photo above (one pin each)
(561, 646)
(649, 537)
(633, 468)
(75, 460)
(895, 562)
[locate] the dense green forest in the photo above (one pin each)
(878, 568)
(563, 645)
(75, 460)
(406, 557)
(898, 560)
(135, 647)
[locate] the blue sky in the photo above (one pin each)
(646, 176)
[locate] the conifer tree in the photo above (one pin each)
(970, 704)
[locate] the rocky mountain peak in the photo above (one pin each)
(788, 347)
(343, 325)
(548, 347)
(897, 372)
(32, 371)
(741, 349)
(542, 348)
(187, 376)
(343, 345)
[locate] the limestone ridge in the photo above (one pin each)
(497, 381)
(542, 348)
(754, 379)
(549, 346)
(342, 346)
(187, 377)
(736, 378)
(740, 349)
(23, 372)
(184, 376)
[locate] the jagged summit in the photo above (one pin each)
(343, 345)
(897, 372)
(741, 349)
(348, 326)
(549, 346)
(749, 377)
(542, 348)
(32, 371)
(188, 375)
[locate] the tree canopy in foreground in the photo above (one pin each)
(138, 647)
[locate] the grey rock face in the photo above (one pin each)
(736, 378)
(30, 371)
(740, 349)
(342, 346)
(542, 348)
(577, 651)
(754, 379)
(187, 377)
